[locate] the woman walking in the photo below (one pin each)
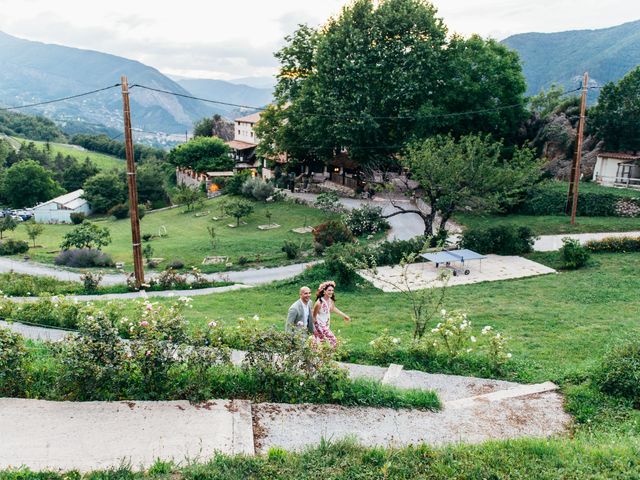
(325, 304)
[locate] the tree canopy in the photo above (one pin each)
(469, 172)
(615, 118)
(202, 154)
(27, 183)
(105, 190)
(381, 74)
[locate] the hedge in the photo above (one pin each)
(614, 244)
(547, 200)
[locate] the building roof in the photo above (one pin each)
(69, 200)
(239, 145)
(620, 156)
(253, 118)
(225, 173)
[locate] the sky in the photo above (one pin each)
(235, 39)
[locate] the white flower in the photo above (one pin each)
(486, 330)
(395, 340)
(469, 350)
(212, 324)
(443, 312)
(509, 355)
(256, 318)
(299, 324)
(498, 335)
(372, 343)
(473, 339)
(301, 383)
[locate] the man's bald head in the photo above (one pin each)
(305, 294)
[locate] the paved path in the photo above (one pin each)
(549, 243)
(253, 276)
(89, 435)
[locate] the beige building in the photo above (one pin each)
(617, 170)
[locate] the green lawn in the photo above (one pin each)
(552, 224)
(188, 239)
(591, 187)
(101, 160)
(560, 322)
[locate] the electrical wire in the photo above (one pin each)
(46, 102)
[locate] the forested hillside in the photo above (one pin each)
(562, 58)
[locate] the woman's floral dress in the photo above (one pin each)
(322, 331)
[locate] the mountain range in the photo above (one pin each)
(35, 72)
(607, 54)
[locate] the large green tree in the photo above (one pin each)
(381, 74)
(105, 190)
(202, 154)
(27, 183)
(465, 173)
(616, 117)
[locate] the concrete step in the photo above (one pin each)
(516, 392)
(42, 434)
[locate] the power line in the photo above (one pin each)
(195, 98)
(60, 99)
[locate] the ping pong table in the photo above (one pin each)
(449, 258)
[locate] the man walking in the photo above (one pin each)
(299, 315)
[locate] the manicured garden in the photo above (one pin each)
(175, 234)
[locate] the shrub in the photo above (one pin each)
(548, 199)
(84, 258)
(291, 249)
(93, 362)
(91, 281)
(342, 261)
(142, 211)
(329, 233)
(365, 220)
(329, 202)
(175, 265)
(13, 373)
(13, 247)
(242, 260)
(147, 237)
(614, 244)
(256, 188)
(500, 239)
(120, 211)
(619, 374)
(392, 252)
(573, 254)
(235, 183)
(77, 217)
(54, 311)
(169, 279)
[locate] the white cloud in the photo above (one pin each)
(235, 39)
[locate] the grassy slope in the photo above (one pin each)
(102, 161)
(560, 322)
(188, 238)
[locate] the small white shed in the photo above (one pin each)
(617, 170)
(59, 209)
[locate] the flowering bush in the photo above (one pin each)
(496, 347)
(330, 233)
(365, 220)
(55, 311)
(91, 281)
(453, 334)
(329, 202)
(627, 207)
(614, 244)
(383, 346)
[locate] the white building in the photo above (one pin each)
(617, 170)
(59, 209)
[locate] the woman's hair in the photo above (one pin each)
(323, 286)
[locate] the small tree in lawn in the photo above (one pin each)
(33, 230)
(87, 235)
(212, 236)
(239, 209)
(7, 223)
(465, 173)
(267, 214)
(187, 196)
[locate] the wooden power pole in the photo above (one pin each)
(133, 188)
(574, 180)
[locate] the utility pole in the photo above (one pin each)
(574, 181)
(133, 188)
